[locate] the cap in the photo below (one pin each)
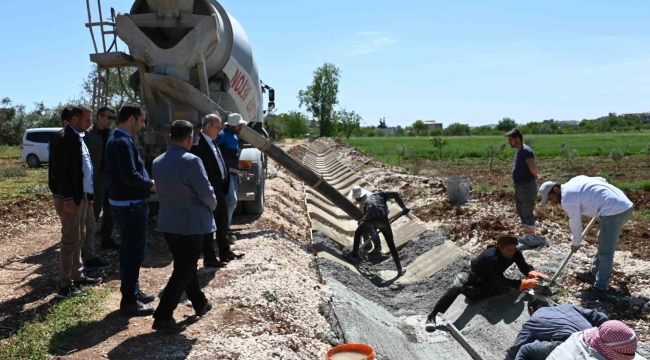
(514, 132)
(545, 189)
(235, 119)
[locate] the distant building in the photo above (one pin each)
(389, 130)
(432, 124)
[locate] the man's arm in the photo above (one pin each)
(395, 196)
(61, 152)
(201, 184)
(594, 317)
(575, 223)
(531, 167)
(126, 167)
(500, 279)
(523, 266)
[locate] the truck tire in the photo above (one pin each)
(256, 207)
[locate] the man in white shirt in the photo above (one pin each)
(594, 197)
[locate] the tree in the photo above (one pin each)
(295, 124)
(348, 122)
(320, 97)
(274, 126)
(418, 126)
(457, 129)
(492, 151)
(382, 124)
(117, 93)
(400, 131)
(439, 143)
(506, 124)
(617, 156)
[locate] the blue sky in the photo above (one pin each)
(451, 61)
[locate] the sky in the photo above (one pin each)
(466, 61)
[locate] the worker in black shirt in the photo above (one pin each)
(485, 276)
(375, 216)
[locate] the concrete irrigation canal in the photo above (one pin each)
(371, 305)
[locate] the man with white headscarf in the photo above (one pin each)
(612, 340)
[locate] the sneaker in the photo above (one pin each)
(231, 238)
(594, 294)
(168, 326)
(204, 310)
(87, 281)
(68, 292)
(586, 276)
(96, 264)
(145, 298)
(136, 309)
(110, 244)
(430, 324)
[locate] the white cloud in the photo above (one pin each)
(370, 42)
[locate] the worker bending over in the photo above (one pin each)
(612, 340)
(375, 216)
(485, 278)
(595, 197)
(549, 326)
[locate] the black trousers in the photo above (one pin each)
(185, 250)
(471, 286)
(382, 225)
(221, 219)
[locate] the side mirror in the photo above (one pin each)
(271, 95)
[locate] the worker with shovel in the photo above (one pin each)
(595, 197)
(375, 216)
(484, 277)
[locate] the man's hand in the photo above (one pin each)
(575, 248)
(70, 207)
(536, 176)
(91, 202)
(153, 187)
(406, 211)
(528, 284)
(238, 178)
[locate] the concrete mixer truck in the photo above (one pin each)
(192, 58)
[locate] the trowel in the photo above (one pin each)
(544, 286)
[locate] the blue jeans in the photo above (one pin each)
(610, 230)
(131, 224)
(231, 199)
(538, 350)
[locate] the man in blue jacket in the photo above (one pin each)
(187, 201)
(549, 326)
(129, 187)
(228, 142)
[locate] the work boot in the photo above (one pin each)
(96, 264)
(430, 324)
(136, 309)
(232, 256)
(213, 264)
(146, 298)
(168, 326)
(586, 276)
(231, 239)
(594, 294)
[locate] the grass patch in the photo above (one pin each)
(10, 152)
(38, 339)
(485, 189)
(26, 187)
(12, 172)
(474, 146)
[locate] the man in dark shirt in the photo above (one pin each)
(549, 326)
(375, 216)
(524, 175)
(485, 277)
(129, 187)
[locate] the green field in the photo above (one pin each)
(385, 148)
(17, 181)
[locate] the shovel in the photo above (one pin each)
(545, 286)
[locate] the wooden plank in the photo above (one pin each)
(432, 261)
(339, 238)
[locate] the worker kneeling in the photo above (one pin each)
(485, 278)
(375, 216)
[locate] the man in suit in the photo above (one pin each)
(187, 201)
(96, 140)
(215, 165)
(70, 179)
(129, 187)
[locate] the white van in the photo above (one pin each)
(36, 146)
